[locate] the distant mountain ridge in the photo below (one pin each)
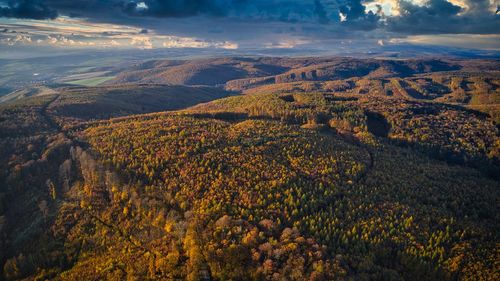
(238, 71)
(473, 83)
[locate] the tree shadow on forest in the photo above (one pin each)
(378, 125)
(480, 162)
(387, 260)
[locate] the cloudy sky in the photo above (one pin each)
(248, 24)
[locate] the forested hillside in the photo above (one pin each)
(162, 182)
(474, 83)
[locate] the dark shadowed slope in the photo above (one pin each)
(200, 72)
(82, 103)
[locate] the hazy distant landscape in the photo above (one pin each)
(249, 140)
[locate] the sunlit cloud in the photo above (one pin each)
(142, 42)
(185, 42)
(67, 32)
(387, 7)
(488, 42)
(17, 39)
(287, 43)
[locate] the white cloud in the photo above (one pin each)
(187, 42)
(142, 6)
(342, 17)
(389, 7)
(61, 40)
(179, 42)
(17, 39)
(142, 42)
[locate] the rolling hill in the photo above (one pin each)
(241, 73)
(474, 83)
(208, 72)
(286, 182)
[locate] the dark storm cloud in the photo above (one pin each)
(436, 16)
(322, 11)
(281, 10)
(441, 16)
(27, 9)
(179, 8)
(319, 9)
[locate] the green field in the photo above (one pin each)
(91, 81)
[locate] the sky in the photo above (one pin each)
(43, 25)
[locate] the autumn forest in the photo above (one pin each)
(256, 169)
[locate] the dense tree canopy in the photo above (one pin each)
(268, 187)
